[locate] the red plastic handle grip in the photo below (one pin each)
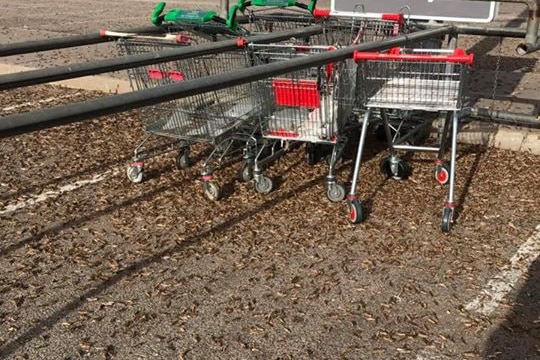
(458, 56)
(321, 13)
(394, 17)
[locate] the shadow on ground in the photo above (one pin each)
(518, 337)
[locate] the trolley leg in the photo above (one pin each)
(334, 191)
(249, 154)
(387, 132)
(450, 205)
(355, 207)
(444, 136)
(442, 167)
(393, 166)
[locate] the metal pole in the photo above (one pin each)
(533, 21)
(66, 42)
(34, 77)
(482, 31)
(76, 112)
(505, 117)
(224, 8)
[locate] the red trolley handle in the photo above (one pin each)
(458, 56)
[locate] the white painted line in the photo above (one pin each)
(54, 193)
(500, 286)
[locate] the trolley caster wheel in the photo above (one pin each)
(263, 185)
(212, 190)
(447, 220)
(356, 212)
(135, 173)
(182, 160)
(246, 172)
(400, 171)
(442, 173)
(335, 192)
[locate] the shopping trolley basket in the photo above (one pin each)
(310, 106)
(358, 28)
(428, 80)
(221, 118)
(265, 16)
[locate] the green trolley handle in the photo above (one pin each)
(184, 16)
(242, 4)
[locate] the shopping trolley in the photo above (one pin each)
(358, 28)
(428, 80)
(354, 29)
(312, 105)
(221, 118)
(264, 16)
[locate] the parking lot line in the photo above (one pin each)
(34, 199)
(498, 287)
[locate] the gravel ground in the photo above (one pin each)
(100, 268)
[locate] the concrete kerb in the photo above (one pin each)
(104, 84)
(475, 132)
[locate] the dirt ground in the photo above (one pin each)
(96, 267)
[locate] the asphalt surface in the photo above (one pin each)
(94, 266)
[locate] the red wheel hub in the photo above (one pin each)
(442, 176)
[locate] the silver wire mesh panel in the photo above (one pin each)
(265, 21)
(412, 79)
(212, 31)
(309, 105)
(348, 30)
(201, 117)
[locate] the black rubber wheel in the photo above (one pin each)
(335, 192)
(385, 167)
(263, 185)
(447, 220)
(135, 173)
(212, 190)
(356, 211)
(442, 173)
(403, 170)
(182, 159)
(246, 172)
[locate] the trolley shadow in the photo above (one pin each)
(46, 323)
(518, 337)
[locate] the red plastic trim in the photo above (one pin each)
(394, 17)
(352, 197)
(207, 177)
(103, 32)
(282, 133)
(183, 39)
(450, 205)
(321, 13)
(138, 163)
(458, 56)
(302, 93)
(241, 42)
